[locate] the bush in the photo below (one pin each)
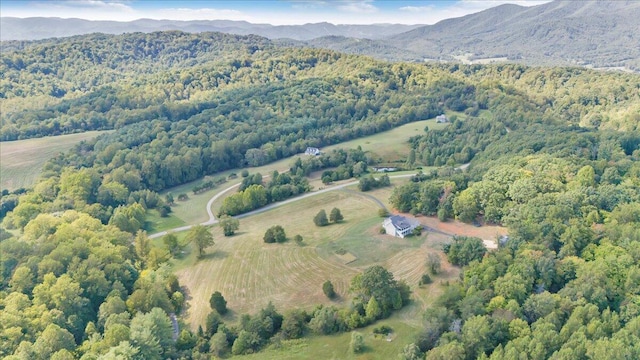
(275, 234)
(229, 225)
(433, 263)
(321, 218)
(382, 212)
(327, 289)
(383, 330)
(298, 239)
(335, 216)
(218, 303)
(357, 342)
(425, 279)
(244, 173)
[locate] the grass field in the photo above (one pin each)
(250, 273)
(21, 161)
(389, 146)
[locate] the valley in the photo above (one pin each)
(184, 194)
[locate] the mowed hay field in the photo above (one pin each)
(391, 145)
(21, 161)
(250, 273)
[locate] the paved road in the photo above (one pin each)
(212, 220)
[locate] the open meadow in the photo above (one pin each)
(21, 161)
(250, 273)
(390, 147)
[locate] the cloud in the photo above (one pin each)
(364, 6)
(417, 9)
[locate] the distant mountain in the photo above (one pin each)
(592, 33)
(42, 28)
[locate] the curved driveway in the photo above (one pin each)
(212, 220)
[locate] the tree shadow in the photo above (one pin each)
(218, 254)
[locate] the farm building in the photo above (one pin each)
(312, 151)
(399, 226)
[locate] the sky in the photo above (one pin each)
(276, 12)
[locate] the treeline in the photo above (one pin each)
(569, 198)
(253, 194)
(348, 163)
(376, 295)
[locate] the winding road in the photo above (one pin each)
(212, 219)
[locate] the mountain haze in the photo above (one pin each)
(595, 33)
(41, 28)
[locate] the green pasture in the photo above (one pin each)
(21, 161)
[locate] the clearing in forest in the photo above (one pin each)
(21, 161)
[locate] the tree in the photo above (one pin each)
(298, 239)
(247, 342)
(53, 339)
(464, 250)
(229, 225)
(321, 218)
(171, 242)
(357, 342)
(294, 324)
(275, 234)
(169, 199)
(219, 344)
(327, 289)
(201, 237)
(218, 303)
(433, 263)
(335, 216)
(373, 311)
(411, 352)
(378, 282)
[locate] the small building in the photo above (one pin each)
(312, 151)
(440, 119)
(384, 169)
(399, 226)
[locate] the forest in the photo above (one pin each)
(553, 155)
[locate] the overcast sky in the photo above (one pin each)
(280, 12)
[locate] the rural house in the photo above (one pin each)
(399, 226)
(442, 119)
(312, 151)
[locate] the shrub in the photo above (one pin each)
(321, 218)
(275, 234)
(425, 279)
(218, 303)
(327, 289)
(357, 342)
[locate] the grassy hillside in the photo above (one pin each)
(21, 161)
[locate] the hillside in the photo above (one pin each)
(42, 28)
(552, 155)
(594, 33)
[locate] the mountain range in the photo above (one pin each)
(598, 33)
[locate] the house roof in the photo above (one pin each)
(401, 222)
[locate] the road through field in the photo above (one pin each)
(212, 219)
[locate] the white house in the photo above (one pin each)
(312, 151)
(442, 119)
(399, 226)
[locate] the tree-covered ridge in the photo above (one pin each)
(107, 81)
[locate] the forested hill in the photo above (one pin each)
(42, 28)
(601, 34)
(554, 156)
